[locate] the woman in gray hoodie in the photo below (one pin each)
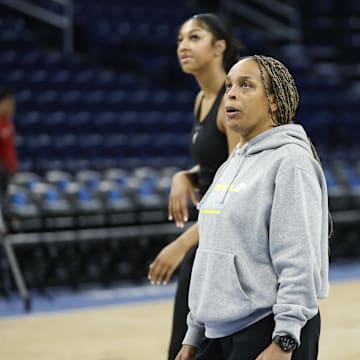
(262, 260)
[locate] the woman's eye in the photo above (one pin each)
(245, 85)
(227, 86)
(194, 37)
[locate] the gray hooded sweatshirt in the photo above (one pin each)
(263, 247)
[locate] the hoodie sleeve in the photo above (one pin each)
(195, 332)
(297, 241)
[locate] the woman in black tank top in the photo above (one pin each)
(208, 144)
(206, 49)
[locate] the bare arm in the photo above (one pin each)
(273, 352)
(183, 187)
(187, 352)
(169, 258)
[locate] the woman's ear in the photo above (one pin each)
(220, 47)
(273, 104)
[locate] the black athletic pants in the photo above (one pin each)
(220, 349)
(248, 343)
(181, 308)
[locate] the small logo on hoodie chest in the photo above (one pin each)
(230, 187)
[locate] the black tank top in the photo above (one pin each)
(208, 144)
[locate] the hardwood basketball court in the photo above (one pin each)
(141, 331)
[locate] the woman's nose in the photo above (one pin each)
(182, 45)
(231, 93)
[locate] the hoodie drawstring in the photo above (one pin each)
(242, 155)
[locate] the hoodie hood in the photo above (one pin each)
(277, 137)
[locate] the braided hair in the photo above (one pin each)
(278, 82)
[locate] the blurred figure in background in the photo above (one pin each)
(8, 155)
(206, 49)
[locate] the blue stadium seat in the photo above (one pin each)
(65, 146)
(83, 80)
(61, 78)
(71, 101)
(79, 122)
(28, 123)
(104, 122)
(59, 178)
(24, 100)
(90, 146)
(118, 101)
(126, 122)
(25, 180)
(39, 80)
(150, 122)
(94, 100)
(141, 146)
(39, 147)
(55, 123)
(338, 195)
(25, 214)
(116, 146)
(89, 178)
(47, 100)
(121, 208)
(117, 175)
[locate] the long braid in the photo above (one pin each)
(278, 81)
(267, 90)
(282, 85)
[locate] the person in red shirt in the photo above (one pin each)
(8, 155)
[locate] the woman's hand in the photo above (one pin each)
(187, 352)
(166, 262)
(169, 258)
(273, 352)
(182, 189)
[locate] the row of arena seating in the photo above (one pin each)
(59, 194)
(103, 122)
(87, 198)
(94, 151)
(121, 100)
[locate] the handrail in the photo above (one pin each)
(268, 22)
(64, 22)
(117, 232)
(8, 241)
(279, 7)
